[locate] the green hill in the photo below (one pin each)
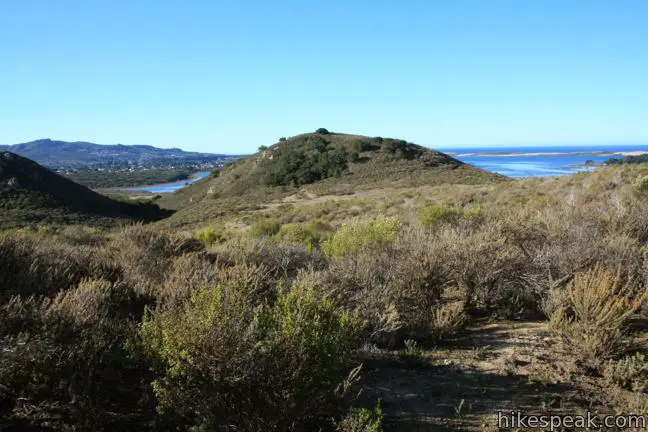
(30, 193)
(320, 164)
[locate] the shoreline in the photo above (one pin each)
(143, 188)
(518, 154)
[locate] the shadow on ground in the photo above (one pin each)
(463, 386)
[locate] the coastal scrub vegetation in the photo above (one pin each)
(287, 325)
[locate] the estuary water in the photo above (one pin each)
(540, 161)
(173, 186)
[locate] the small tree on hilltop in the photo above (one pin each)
(322, 131)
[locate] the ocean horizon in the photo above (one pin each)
(540, 161)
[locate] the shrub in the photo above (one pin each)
(309, 234)
(282, 139)
(395, 288)
(361, 236)
(362, 420)
(431, 215)
(473, 213)
(630, 372)
(412, 354)
(363, 145)
(308, 161)
(641, 184)
(144, 255)
(225, 362)
(211, 235)
(490, 272)
(446, 320)
(64, 359)
(401, 149)
(43, 266)
(265, 228)
(322, 131)
(593, 319)
(435, 214)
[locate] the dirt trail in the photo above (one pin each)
(489, 368)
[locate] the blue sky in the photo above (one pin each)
(229, 76)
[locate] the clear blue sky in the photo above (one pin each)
(229, 76)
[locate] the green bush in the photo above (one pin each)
(436, 214)
(223, 362)
(640, 185)
(413, 354)
(265, 228)
(322, 131)
(309, 234)
(473, 213)
(362, 420)
(361, 236)
(401, 149)
(211, 235)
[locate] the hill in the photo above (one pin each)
(31, 193)
(62, 154)
(320, 164)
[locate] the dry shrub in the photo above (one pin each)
(184, 274)
(145, 255)
(394, 289)
(494, 274)
(593, 314)
(631, 372)
(447, 319)
(63, 360)
(79, 235)
(281, 261)
(42, 265)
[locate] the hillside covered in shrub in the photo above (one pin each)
(320, 163)
(510, 294)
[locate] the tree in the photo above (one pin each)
(322, 131)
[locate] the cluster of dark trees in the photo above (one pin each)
(311, 161)
(628, 160)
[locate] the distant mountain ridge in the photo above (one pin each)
(63, 154)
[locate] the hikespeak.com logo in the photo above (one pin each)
(554, 422)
